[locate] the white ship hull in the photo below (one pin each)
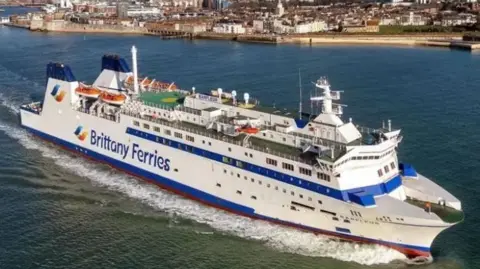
(346, 199)
(196, 177)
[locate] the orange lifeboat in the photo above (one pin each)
(161, 85)
(248, 130)
(91, 92)
(113, 98)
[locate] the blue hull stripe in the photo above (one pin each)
(203, 196)
(343, 195)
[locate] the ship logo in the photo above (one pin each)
(57, 93)
(80, 133)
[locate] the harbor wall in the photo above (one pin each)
(369, 39)
(68, 27)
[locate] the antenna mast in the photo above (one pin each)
(300, 89)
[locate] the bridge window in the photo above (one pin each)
(392, 165)
(168, 132)
(178, 135)
(305, 171)
(380, 173)
(146, 126)
(287, 166)
(190, 138)
(156, 129)
(136, 123)
(386, 169)
(271, 162)
(323, 176)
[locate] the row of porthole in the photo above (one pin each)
(302, 170)
(269, 185)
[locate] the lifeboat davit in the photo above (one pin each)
(248, 130)
(91, 92)
(113, 98)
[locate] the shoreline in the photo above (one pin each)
(453, 40)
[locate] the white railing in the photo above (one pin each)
(215, 136)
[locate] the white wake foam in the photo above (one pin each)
(275, 236)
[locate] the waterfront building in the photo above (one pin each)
(229, 28)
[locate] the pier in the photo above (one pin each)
(454, 44)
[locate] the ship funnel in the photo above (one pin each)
(135, 73)
(246, 96)
(234, 97)
(219, 91)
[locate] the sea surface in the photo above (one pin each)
(58, 210)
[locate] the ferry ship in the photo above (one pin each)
(313, 172)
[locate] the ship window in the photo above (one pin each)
(209, 143)
(305, 171)
(226, 160)
(253, 180)
(386, 168)
(370, 157)
(335, 218)
(377, 157)
(225, 171)
(259, 182)
(392, 165)
(203, 141)
(251, 156)
(271, 162)
(284, 191)
(178, 135)
(346, 220)
(168, 132)
(146, 126)
(287, 166)
(284, 139)
(268, 185)
(309, 198)
(364, 157)
(246, 154)
(176, 170)
(292, 208)
(319, 201)
(238, 175)
(219, 185)
(380, 173)
(254, 197)
(239, 192)
(292, 193)
(245, 177)
(156, 129)
(190, 138)
(301, 196)
(229, 149)
(136, 123)
(276, 188)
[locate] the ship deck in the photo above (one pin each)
(164, 99)
(277, 149)
(446, 213)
